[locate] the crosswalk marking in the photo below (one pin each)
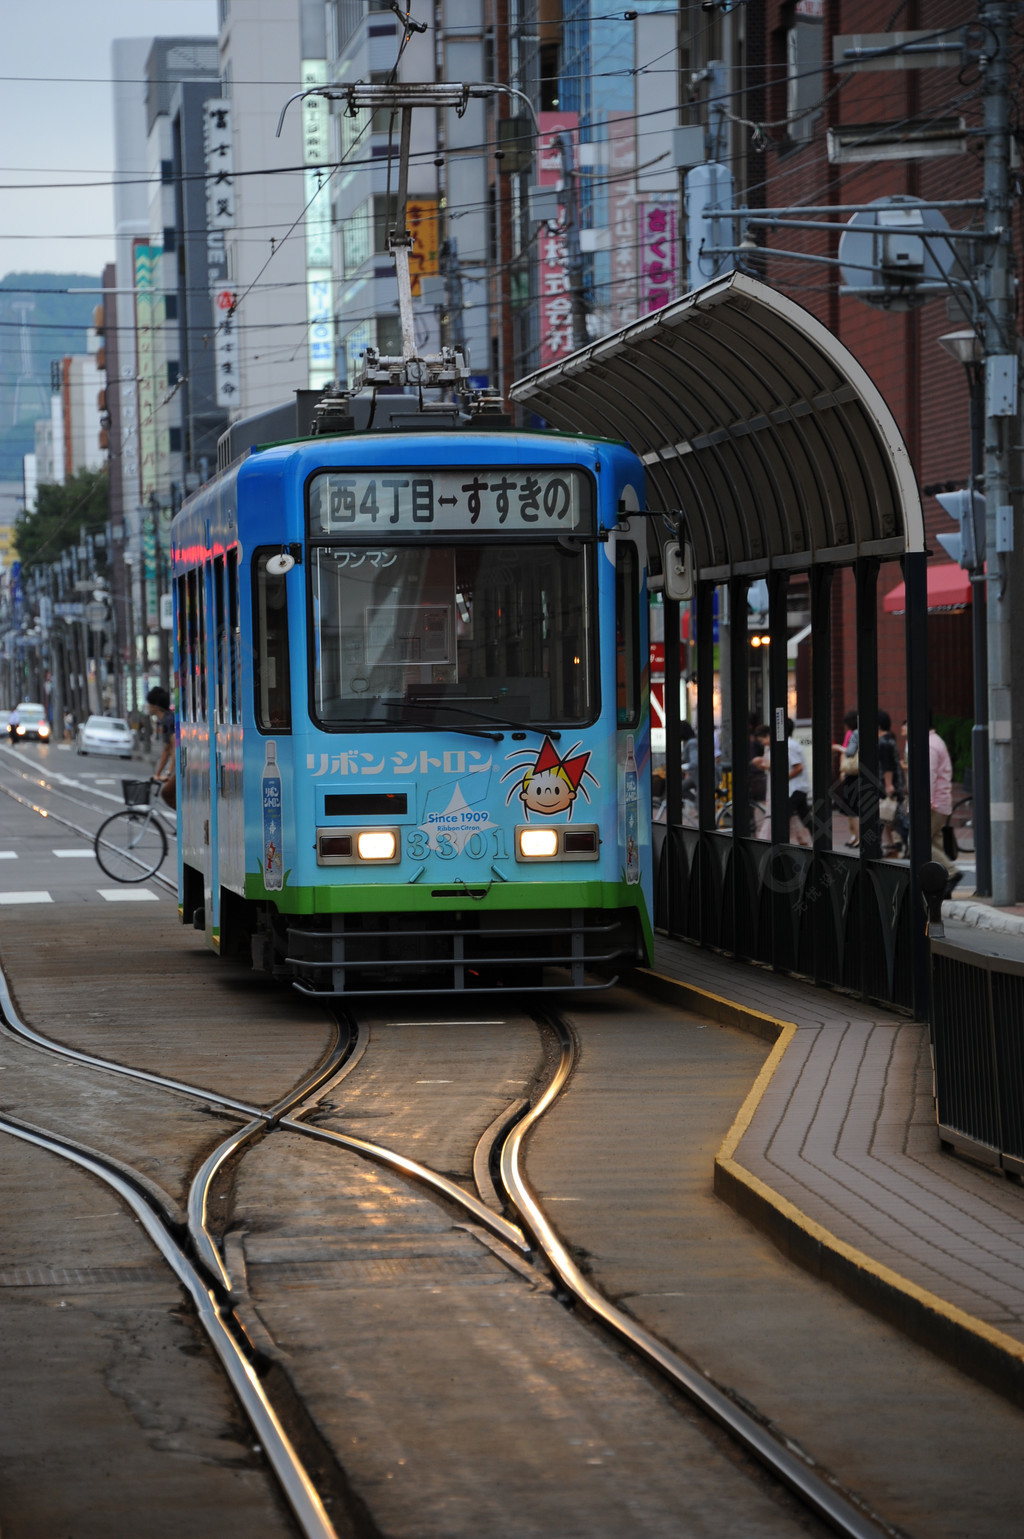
(25, 897)
(127, 894)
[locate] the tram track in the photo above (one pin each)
(533, 1239)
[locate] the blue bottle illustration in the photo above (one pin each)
(273, 855)
(632, 815)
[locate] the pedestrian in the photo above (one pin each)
(799, 790)
(761, 764)
(688, 738)
(891, 788)
(757, 785)
(158, 705)
(847, 794)
(940, 772)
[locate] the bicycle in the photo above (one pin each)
(961, 822)
(132, 844)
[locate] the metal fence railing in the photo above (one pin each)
(978, 1045)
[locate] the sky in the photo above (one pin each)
(59, 128)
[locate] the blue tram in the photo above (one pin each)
(414, 739)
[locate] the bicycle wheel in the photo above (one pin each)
(130, 845)
(961, 820)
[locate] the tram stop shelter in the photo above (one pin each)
(774, 453)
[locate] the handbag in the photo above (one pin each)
(950, 848)
(888, 807)
(849, 764)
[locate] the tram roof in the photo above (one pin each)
(754, 421)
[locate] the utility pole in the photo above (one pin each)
(1001, 417)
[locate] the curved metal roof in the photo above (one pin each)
(753, 421)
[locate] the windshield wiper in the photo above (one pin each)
(402, 705)
(501, 721)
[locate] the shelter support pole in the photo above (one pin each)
(738, 753)
(1001, 427)
(705, 706)
(866, 575)
(708, 921)
(915, 578)
(778, 700)
(821, 755)
(673, 761)
(739, 690)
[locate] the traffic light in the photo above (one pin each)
(968, 547)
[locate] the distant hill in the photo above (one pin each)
(55, 325)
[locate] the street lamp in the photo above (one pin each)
(966, 348)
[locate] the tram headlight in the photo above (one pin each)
(377, 844)
(538, 843)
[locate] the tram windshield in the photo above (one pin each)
(428, 635)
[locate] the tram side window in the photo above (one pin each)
(627, 636)
(192, 644)
(273, 689)
(234, 648)
(201, 658)
(220, 644)
(184, 676)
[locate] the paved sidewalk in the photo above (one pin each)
(836, 1155)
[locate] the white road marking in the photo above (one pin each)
(71, 854)
(25, 897)
(127, 894)
(435, 1082)
(8, 854)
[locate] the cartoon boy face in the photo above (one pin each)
(547, 791)
(551, 783)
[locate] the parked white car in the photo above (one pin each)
(106, 735)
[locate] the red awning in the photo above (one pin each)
(949, 591)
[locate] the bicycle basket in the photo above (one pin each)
(135, 792)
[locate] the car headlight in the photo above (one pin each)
(20, 731)
(44, 730)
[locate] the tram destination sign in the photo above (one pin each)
(482, 498)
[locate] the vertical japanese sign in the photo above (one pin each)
(145, 260)
(555, 298)
(421, 214)
(659, 245)
(622, 306)
(316, 125)
(219, 155)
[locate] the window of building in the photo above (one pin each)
(174, 440)
(357, 238)
(804, 28)
(170, 239)
(171, 307)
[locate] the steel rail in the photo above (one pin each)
(499, 1226)
(340, 1062)
(12, 1023)
(291, 1475)
(837, 1508)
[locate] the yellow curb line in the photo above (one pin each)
(765, 1197)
